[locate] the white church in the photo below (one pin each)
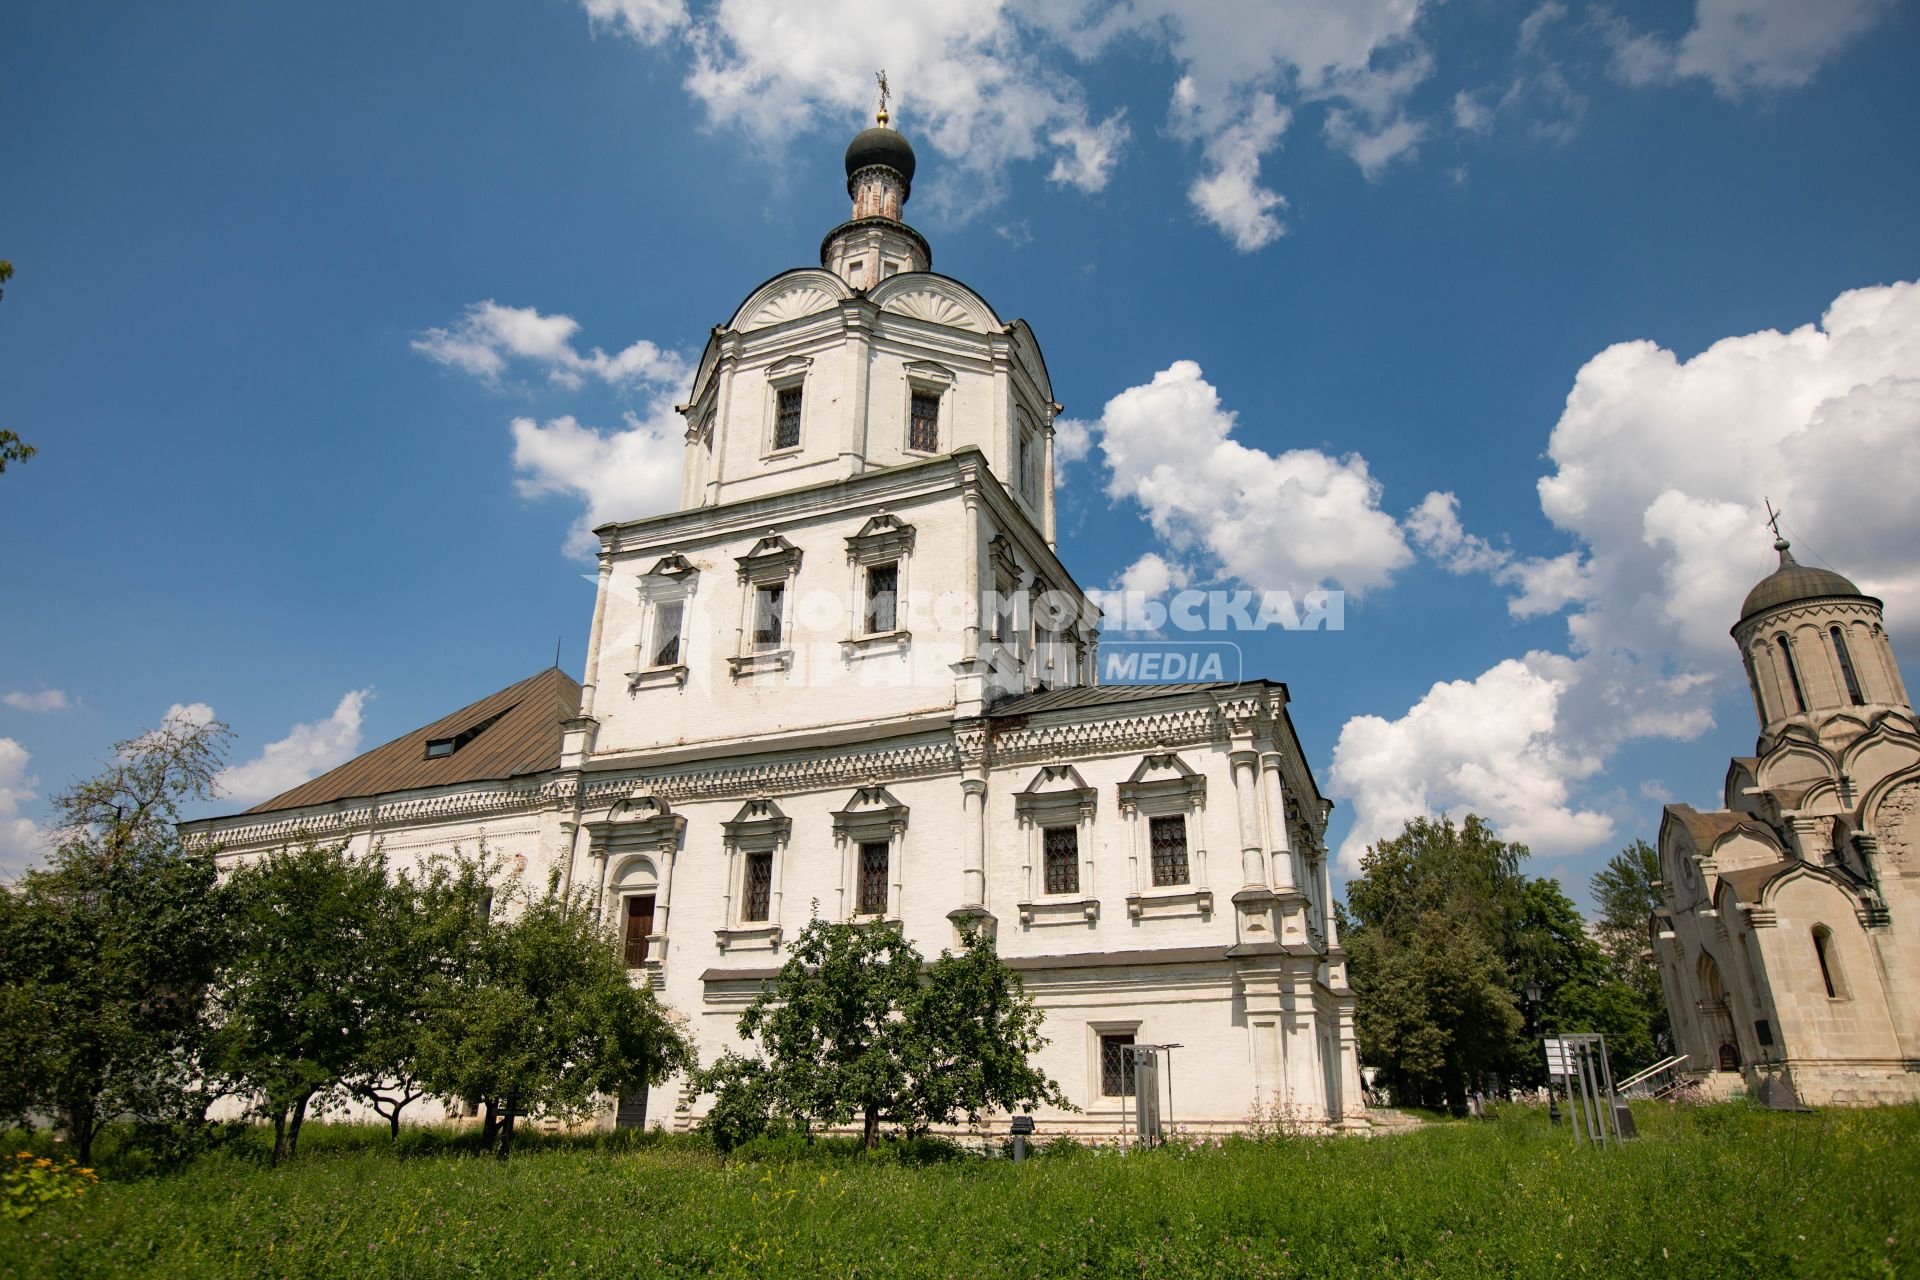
(851, 676)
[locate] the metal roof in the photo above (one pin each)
(1793, 582)
(1100, 695)
(525, 738)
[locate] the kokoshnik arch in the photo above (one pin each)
(783, 713)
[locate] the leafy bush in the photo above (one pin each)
(28, 1183)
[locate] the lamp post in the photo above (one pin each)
(1533, 993)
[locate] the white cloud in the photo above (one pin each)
(1290, 521)
(488, 337)
(22, 840)
(1490, 746)
(971, 79)
(307, 751)
(1537, 99)
(623, 474)
(1072, 441)
(1546, 585)
(188, 714)
(1746, 46)
(1660, 467)
(1229, 194)
(643, 20)
(989, 84)
(38, 700)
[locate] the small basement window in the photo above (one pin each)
(441, 748)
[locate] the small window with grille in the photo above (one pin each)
(668, 618)
(883, 594)
(756, 895)
(1062, 853)
(1116, 1065)
(923, 425)
(769, 602)
(874, 856)
(786, 420)
(1169, 838)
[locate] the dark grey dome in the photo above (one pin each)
(884, 146)
(1794, 581)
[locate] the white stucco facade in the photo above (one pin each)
(802, 694)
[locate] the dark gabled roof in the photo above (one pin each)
(1750, 882)
(1101, 695)
(519, 733)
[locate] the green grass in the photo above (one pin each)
(1722, 1191)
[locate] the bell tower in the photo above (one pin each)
(875, 243)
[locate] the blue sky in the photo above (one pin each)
(1502, 317)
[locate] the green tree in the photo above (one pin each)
(852, 1029)
(12, 447)
(300, 998)
(976, 1031)
(1550, 945)
(542, 1018)
(107, 954)
(1431, 912)
(426, 937)
(1626, 892)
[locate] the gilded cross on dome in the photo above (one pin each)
(885, 93)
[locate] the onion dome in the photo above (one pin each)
(1793, 582)
(882, 146)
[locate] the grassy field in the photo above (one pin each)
(1722, 1191)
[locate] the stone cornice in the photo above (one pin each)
(950, 753)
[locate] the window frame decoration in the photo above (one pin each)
(637, 844)
(1833, 974)
(786, 377)
(1098, 1034)
(1028, 450)
(1055, 797)
(1006, 632)
(872, 815)
(926, 380)
(671, 581)
(772, 563)
(884, 539)
(758, 829)
(1164, 786)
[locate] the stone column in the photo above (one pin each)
(857, 317)
(1281, 841)
(1253, 873)
(1046, 496)
(972, 911)
(973, 803)
(663, 896)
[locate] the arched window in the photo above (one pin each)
(1846, 666)
(1830, 973)
(1793, 673)
(1753, 682)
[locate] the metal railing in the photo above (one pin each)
(1648, 1082)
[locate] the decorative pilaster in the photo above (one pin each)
(972, 912)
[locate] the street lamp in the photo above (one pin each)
(1534, 993)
